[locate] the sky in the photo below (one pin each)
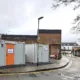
(21, 17)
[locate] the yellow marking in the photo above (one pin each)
(4, 70)
(11, 74)
(35, 72)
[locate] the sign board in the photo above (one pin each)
(10, 50)
(45, 48)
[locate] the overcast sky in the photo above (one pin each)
(20, 17)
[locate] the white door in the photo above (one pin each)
(45, 54)
(40, 54)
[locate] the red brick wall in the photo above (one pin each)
(53, 49)
(50, 38)
(54, 41)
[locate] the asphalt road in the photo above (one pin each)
(71, 72)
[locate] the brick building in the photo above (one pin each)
(50, 37)
(53, 38)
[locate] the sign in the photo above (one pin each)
(45, 48)
(10, 50)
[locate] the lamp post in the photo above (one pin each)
(38, 37)
(38, 27)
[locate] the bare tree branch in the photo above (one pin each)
(57, 3)
(77, 19)
(76, 28)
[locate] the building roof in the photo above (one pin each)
(29, 37)
(49, 31)
(69, 44)
(76, 48)
(20, 37)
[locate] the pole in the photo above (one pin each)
(38, 42)
(38, 30)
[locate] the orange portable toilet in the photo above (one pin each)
(12, 53)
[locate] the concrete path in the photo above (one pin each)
(56, 64)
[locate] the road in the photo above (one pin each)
(71, 72)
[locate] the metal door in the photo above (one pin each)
(9, 54)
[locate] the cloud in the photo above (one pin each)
(11, 14)
(20, 17)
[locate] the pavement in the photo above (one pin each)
(55, 64)
(70, 72)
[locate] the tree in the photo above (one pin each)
(57, 3)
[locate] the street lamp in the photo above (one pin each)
(38, 27)
(38, 37)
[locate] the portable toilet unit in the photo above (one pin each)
(37, 53)
(12, 53)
